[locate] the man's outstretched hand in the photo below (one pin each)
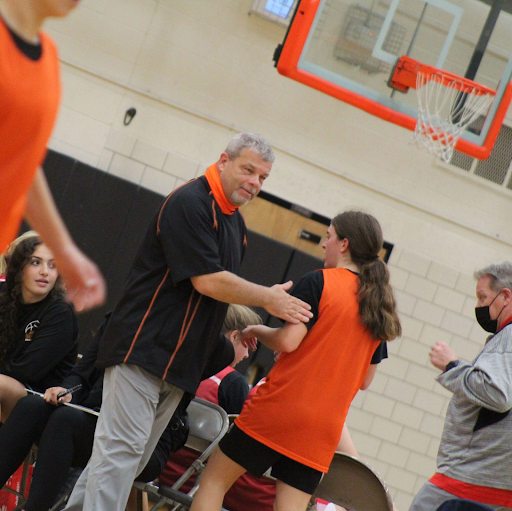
(285, 306)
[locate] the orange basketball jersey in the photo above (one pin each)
(29, 99)
(301, 409)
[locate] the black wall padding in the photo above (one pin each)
(265, 262)
(108, 218)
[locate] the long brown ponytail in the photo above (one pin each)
(377, 305)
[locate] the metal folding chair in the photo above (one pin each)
(354, 485)
(208, 424)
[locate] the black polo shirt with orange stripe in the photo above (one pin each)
(161, 322)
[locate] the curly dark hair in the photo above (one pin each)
(11, 300)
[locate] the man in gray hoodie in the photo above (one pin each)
(474, 461)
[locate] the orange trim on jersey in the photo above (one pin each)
(184, 329)
(213, 178)
(215, 224)
(166, 200)
(484, 494)
(146, 315)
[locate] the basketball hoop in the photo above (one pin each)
(447, 104)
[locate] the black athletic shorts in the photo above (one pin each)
(257, 458)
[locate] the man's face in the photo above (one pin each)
(242, 177)
(485, 295)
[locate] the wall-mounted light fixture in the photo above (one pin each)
(129, 115)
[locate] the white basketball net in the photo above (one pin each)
(445, 107)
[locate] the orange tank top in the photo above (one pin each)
(29, 99)
(301, 409)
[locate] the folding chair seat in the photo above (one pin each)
(354, 485)
(208, 424)
(463, 505)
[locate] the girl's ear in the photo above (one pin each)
(234, 335)
(344, 245)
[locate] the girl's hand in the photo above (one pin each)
(248, 338)
(50, 396)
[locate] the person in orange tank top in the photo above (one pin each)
(294, 422)
(29, 100)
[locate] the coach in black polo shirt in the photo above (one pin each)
(167, 324)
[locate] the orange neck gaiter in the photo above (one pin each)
(213, 178)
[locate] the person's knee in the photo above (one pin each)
(9, 388)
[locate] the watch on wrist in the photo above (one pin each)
(451, 365)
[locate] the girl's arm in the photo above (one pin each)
(286, 338)
(369, 376)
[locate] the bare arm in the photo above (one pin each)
(228, 287)
(345, 444)
(285, 339)
(84, 283)
(369, 377)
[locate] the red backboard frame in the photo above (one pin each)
(287, 65)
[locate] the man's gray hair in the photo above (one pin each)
(500, 273)
(251, 141)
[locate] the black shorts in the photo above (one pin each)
(257, 458)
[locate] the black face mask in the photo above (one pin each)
(483, 316)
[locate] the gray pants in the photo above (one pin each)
(430, 497)
(136, 408)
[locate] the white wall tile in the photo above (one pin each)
(400, 390)
(414, 440)
(121, 142)
(394, 366)
(449, 298)
(385, 429)
(430, 334)
(407, 415)
(402, 479)
(421, 376)
(442, 274)
(466, 284)
(421, 287)
(157, 181)
(414, 352)
(432, 424)
(428, 312)
(457, 324)
(378, 404)
(405, 302)
(181, 167)
(421, 465)
(105, 159)
(359, 419)
(429, 402)
(468, 309)
(413, 262)
(398, 276)
(393, 454)
(150, 154)
(126, 168)
(411, 328)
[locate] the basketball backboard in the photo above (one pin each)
(349, 49)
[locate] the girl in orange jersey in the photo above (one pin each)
(294, 422)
